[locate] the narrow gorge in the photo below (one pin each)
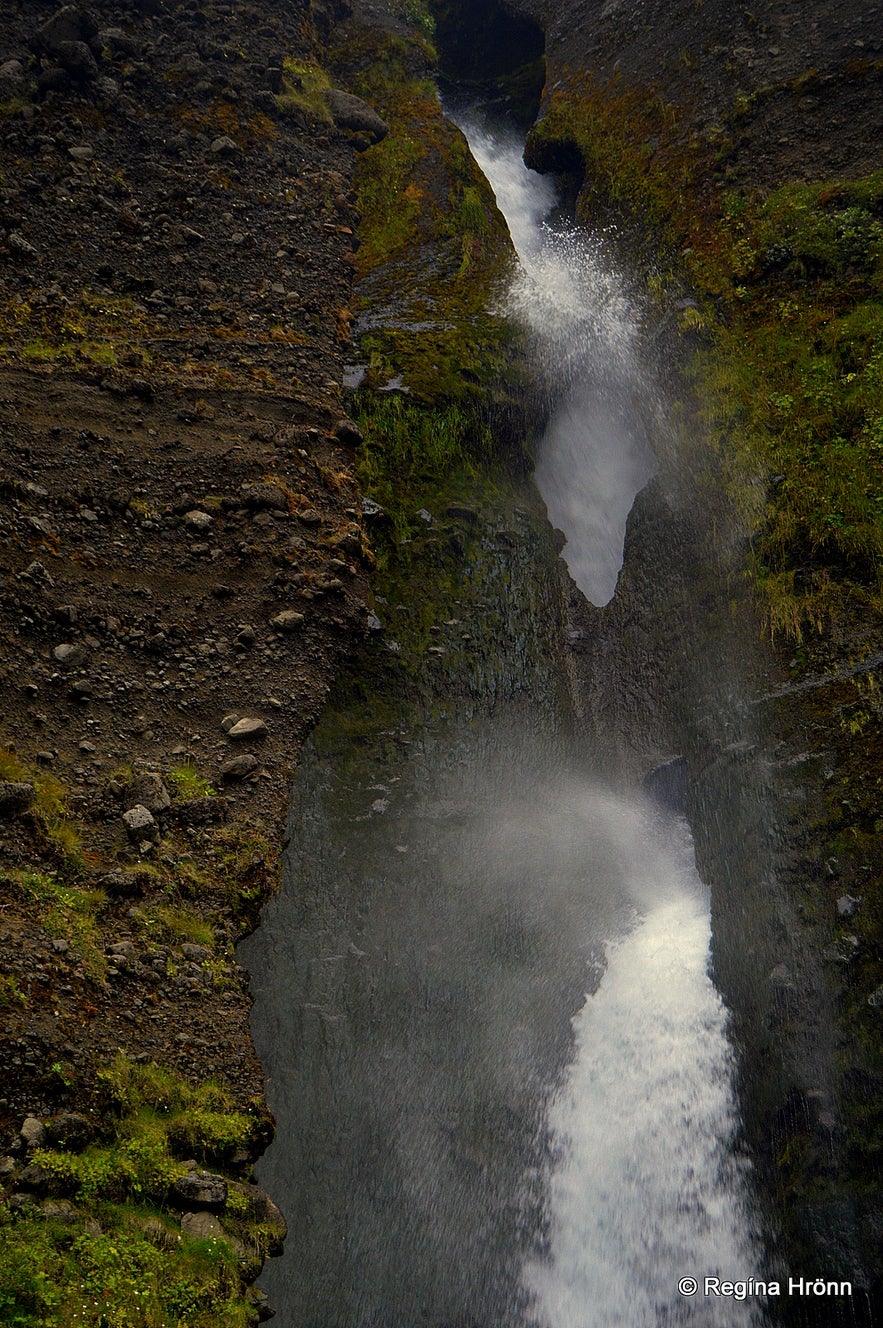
(466, 418)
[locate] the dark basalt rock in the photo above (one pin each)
(200, 1191)
(350, 112)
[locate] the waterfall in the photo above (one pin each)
(500, 1070)
(585, 325)
(648, 1188)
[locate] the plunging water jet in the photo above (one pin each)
(596, 453)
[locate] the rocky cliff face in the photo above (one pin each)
(183, 569)
(793, 87)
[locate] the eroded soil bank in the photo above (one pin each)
(182, 551)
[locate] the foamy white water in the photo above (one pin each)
(648, 1188)
(595, 456)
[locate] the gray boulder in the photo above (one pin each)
(148, 790)
(78, 61)
(67, 25)
(248, 728)
(70, 1131)
(33, 1132)
(140, 825)
(200, 1190)
(350, 112)
(13, 80)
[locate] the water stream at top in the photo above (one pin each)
(500, 1070)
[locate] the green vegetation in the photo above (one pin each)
(113, 1257)
(409, 446)
(434, 251)
(102, 330)
(626, 142)
(10, 992)
(305, 85)
(65, 911)
(793, 378)
(188, 782)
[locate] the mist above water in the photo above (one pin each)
(595, 455)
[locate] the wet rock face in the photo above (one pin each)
(821, 110)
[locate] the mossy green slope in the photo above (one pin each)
(434, 249)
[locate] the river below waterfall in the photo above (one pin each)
(500, 1069)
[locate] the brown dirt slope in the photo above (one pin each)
(176, 246)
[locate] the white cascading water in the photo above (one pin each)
(595, 455)
(648, 1187)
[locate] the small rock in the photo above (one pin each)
(287, 621)
(240, 767)
(148, 790)
(77, 60)
(67, 654)
(21, 248)
(260, 1303)
(13, 80)
(264, 496)
(34, 1178)
(350, 112)
(197, 521)
(200, 811)
(201, 1226)
(195, 952)
(246, 636)
(373, 511)
(223, 146)
(122, 884)
(141, 826)
(260, 1208)
(229, 720)
(349, 433)
(847, 905)
(200, 1190)
(15, 799)
(81, 153)
(349, 543)
(59, 1210)
(123, 950)
(247, 728)
(33, 1132)
(70, 23)
(70, 1131)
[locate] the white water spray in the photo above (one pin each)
(595, 455)
(648, 1189)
